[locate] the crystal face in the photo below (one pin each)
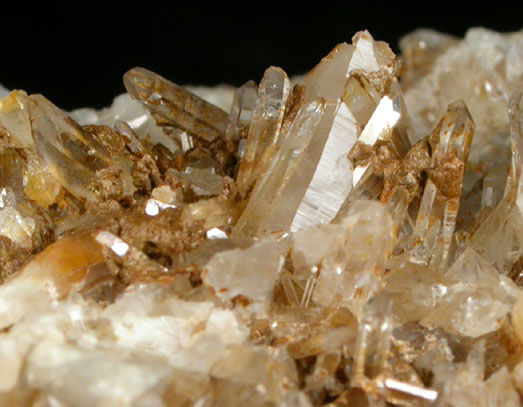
(351, 238)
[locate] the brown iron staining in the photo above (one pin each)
(406, 173)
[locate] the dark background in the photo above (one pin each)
(76, 57)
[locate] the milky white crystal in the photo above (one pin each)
(294, 291)
(232, 272)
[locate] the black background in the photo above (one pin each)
(76, 56)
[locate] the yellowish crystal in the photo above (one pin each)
(340, 241)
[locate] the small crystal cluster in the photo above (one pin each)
(354, 239)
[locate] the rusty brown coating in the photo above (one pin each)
(446, 171)
(407, 173)
(110, 138)
(12, 257)
(292, 106)
(360, 154)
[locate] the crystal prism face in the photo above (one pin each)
(450, 143)
(343, 79)
(264, 136)
(174, 105)
(354, 238)
(275, 197)
(15, 118)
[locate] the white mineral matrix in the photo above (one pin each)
(350, 239)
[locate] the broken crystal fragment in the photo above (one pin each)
(15, 227)
(262, 261)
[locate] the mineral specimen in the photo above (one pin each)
(351, 239)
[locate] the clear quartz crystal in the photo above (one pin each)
(277, 194)
(7, 198)
(327, 244)
(15, 227)
(331, 181)
(474, 300)
(49, 123)
(242, 109)
(388, 125)
(175, 104)
(133, 113)
(14, 118)
(436, 219)
(264, 131)
(502, 225)
(373, 342)
(350, 269)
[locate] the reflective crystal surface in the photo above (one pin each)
(351, 238)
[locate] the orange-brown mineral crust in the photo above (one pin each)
(352, 239)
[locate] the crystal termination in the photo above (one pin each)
(352, 239)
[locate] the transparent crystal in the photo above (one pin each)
(165, 252)
(474, 301)
(14, 118)
(242, 109)
(436, 220)
(502, 225)
(176, 105)
(334, 78)
(264, 132)
(277, 194)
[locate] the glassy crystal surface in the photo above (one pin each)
(352, 239)
(328, 165)
(175, 105)
(264, 138)
(276, 195)
(450, 143)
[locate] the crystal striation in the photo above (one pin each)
(353, 237)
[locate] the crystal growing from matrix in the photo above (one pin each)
(353, 237)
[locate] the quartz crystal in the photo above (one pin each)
(352, 237)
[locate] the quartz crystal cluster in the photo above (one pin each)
(352, 239)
